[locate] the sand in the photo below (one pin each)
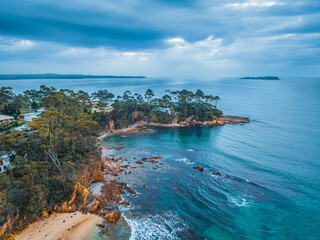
(64, 226)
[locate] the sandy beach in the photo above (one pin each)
(64, 226)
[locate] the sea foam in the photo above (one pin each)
(185, 160)
(159, 226)
(239, 201)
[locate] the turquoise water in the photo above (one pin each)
(270, 188)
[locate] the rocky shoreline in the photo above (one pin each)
(190, 122)
(100, 192)
(101, 196)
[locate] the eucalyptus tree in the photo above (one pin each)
(149, 95)
(216, 98)
(139, 98)
(6, 94)
(167, 101)
(103, 95)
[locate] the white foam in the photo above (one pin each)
(239, 201)
(190, 150)
(165, 226)
(185, 160)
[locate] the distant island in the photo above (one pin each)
(58, 76)
(262, 78)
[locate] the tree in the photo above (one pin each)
(6, 94)
(103, 95)
(149, 95)
(216, 98)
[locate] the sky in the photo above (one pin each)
(161, 38)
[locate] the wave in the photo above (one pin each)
(159, 226)
(239, 201)
(190, 150)
(185, 160)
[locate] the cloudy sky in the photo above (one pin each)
(160, 38)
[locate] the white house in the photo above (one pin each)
(5, 161)
(28, 117)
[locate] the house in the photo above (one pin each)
(5, 119)
(40, 110)
(5, 158)
(164, 110)
(102, 109)
(28, 117)
(95, 102)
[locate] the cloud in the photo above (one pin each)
(255, 3)
(7, 44)
(159, 37)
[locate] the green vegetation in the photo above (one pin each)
(49, 158)
(62, 142)
(7, 126)
(175, 106)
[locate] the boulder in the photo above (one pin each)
(125, 203)
(97, 174)
(139, 162)
(198, 168)
(113, 217)
(217, 174)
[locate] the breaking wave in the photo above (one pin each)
(185, 160)
(164, 226)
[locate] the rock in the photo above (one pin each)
(92, 207)
(44, 214)
(100, 225)
(117, 170)
(79, 192)
(152, 159)
(97, 174)
(198, 168)
(139, 162)
(125, 203)
(113, 217)
(217, 174)
(78, 200)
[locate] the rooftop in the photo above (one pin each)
(5, 117)
(29, 114)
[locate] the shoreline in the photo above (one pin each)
(134, 128)
(77, 225)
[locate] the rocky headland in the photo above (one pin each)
(97, 195)
(189, 122)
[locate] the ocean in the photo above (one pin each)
(270, 183)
